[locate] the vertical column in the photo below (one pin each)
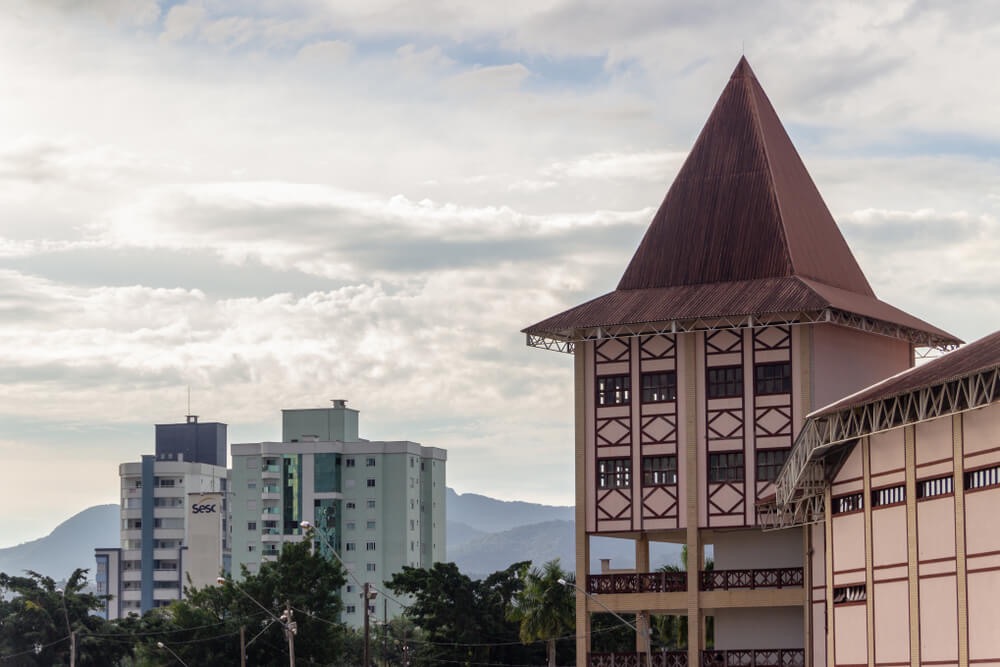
(695, 634)
(828, 550)
(961, 567)
(642, 617)
(912, 557)
(807, 608)
(866, 473)
(148, 522)
(582, 543)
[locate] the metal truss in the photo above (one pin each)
(565, 341)
(804, 476)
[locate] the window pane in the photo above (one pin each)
(658, 387)
(613, 390)
(725, 382)
(773, 378)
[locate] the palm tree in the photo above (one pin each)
(673, 630)
(545, 608)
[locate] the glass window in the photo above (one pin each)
(773, 378)
(371, 503)
(614, 473)
(725, 382)
(251, 525)
(370, 483)
(769, 462)
(349, 463)
(370, 545)
(370, 525)
(612, 390)
(370, 567)
(350, 546)
(659, 387)
(659, 470)
(725, 467)
(370, 462)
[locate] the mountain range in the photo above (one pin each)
(483, 535)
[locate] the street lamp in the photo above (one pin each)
(163, 646)
(648, 632)
(285, 620)
(72, 635)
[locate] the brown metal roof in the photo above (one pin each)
(742, 231)
(982, 355)
(743, 207)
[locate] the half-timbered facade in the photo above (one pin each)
(741, 312)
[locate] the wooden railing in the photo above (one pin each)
(637, 582)
(660, 659)
(778, 657)
(716, 580)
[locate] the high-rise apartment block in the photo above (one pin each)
(381, 505)
(174, 526)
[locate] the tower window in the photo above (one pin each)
(613, 390)
(773, 378)
(725, 382)
(614, 473)
(659, 470)
(659, 387)
(725, 467)
(769, 462)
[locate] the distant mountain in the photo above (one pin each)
(483, 535)
(69, 546)
(491, 515)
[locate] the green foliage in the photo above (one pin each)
(545, 609)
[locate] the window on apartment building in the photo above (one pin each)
(350, 546)
(411, 524)
(350, 504)
(724, 382)
(413, 461)
(251, 525)
(773, 378)
(769, 462)
(890, 495)
(370, 483)
(168, 502)
(349, 588)
(939, 486)
(350, 525)
(252, 485)
(659, 387)
(370, 545)
(852, 502)
(251, 547)
(369, 567)
(725, 467)
(350, 609)
(613, 390)
(133, 524)
(165, 482)
(371, 503)
(411, 545)
(348, 463)
(370, 462)
(659, 470)
(614, 473)
(370, 525)
(982, 478)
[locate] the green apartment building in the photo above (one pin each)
(381, 505)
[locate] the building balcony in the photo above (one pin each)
(270, 472)
(780, 657)
(267, 494)
(270, 535)
(709, 580)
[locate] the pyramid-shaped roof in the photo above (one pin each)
(742, 233)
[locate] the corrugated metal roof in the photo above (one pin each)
(982, 355)
(742, 231)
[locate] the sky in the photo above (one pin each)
(275, 203)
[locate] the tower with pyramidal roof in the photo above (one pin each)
(741, 311)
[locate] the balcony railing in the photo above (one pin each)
(772, 657)
(637, 582)
(781, 657)
(723, 580)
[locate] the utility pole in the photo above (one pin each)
(72, 648)
(290, 629)
(367, 662)
(385, 631)
(243, 646)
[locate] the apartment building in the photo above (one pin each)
(741, 312)
(380, 505)
(174, 507)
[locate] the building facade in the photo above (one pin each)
(907, 475)
(174, 523)
(741, 312)
(381, 505)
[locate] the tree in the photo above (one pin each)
(545, 609)
(672, 631)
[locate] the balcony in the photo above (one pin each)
(724, 580)
(709, 580)
(637, 582)
(270, 472)
(270, 535)
(780, 657)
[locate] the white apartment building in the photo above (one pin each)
(381, 505)
(173, 521)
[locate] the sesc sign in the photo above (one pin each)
(204, 506)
